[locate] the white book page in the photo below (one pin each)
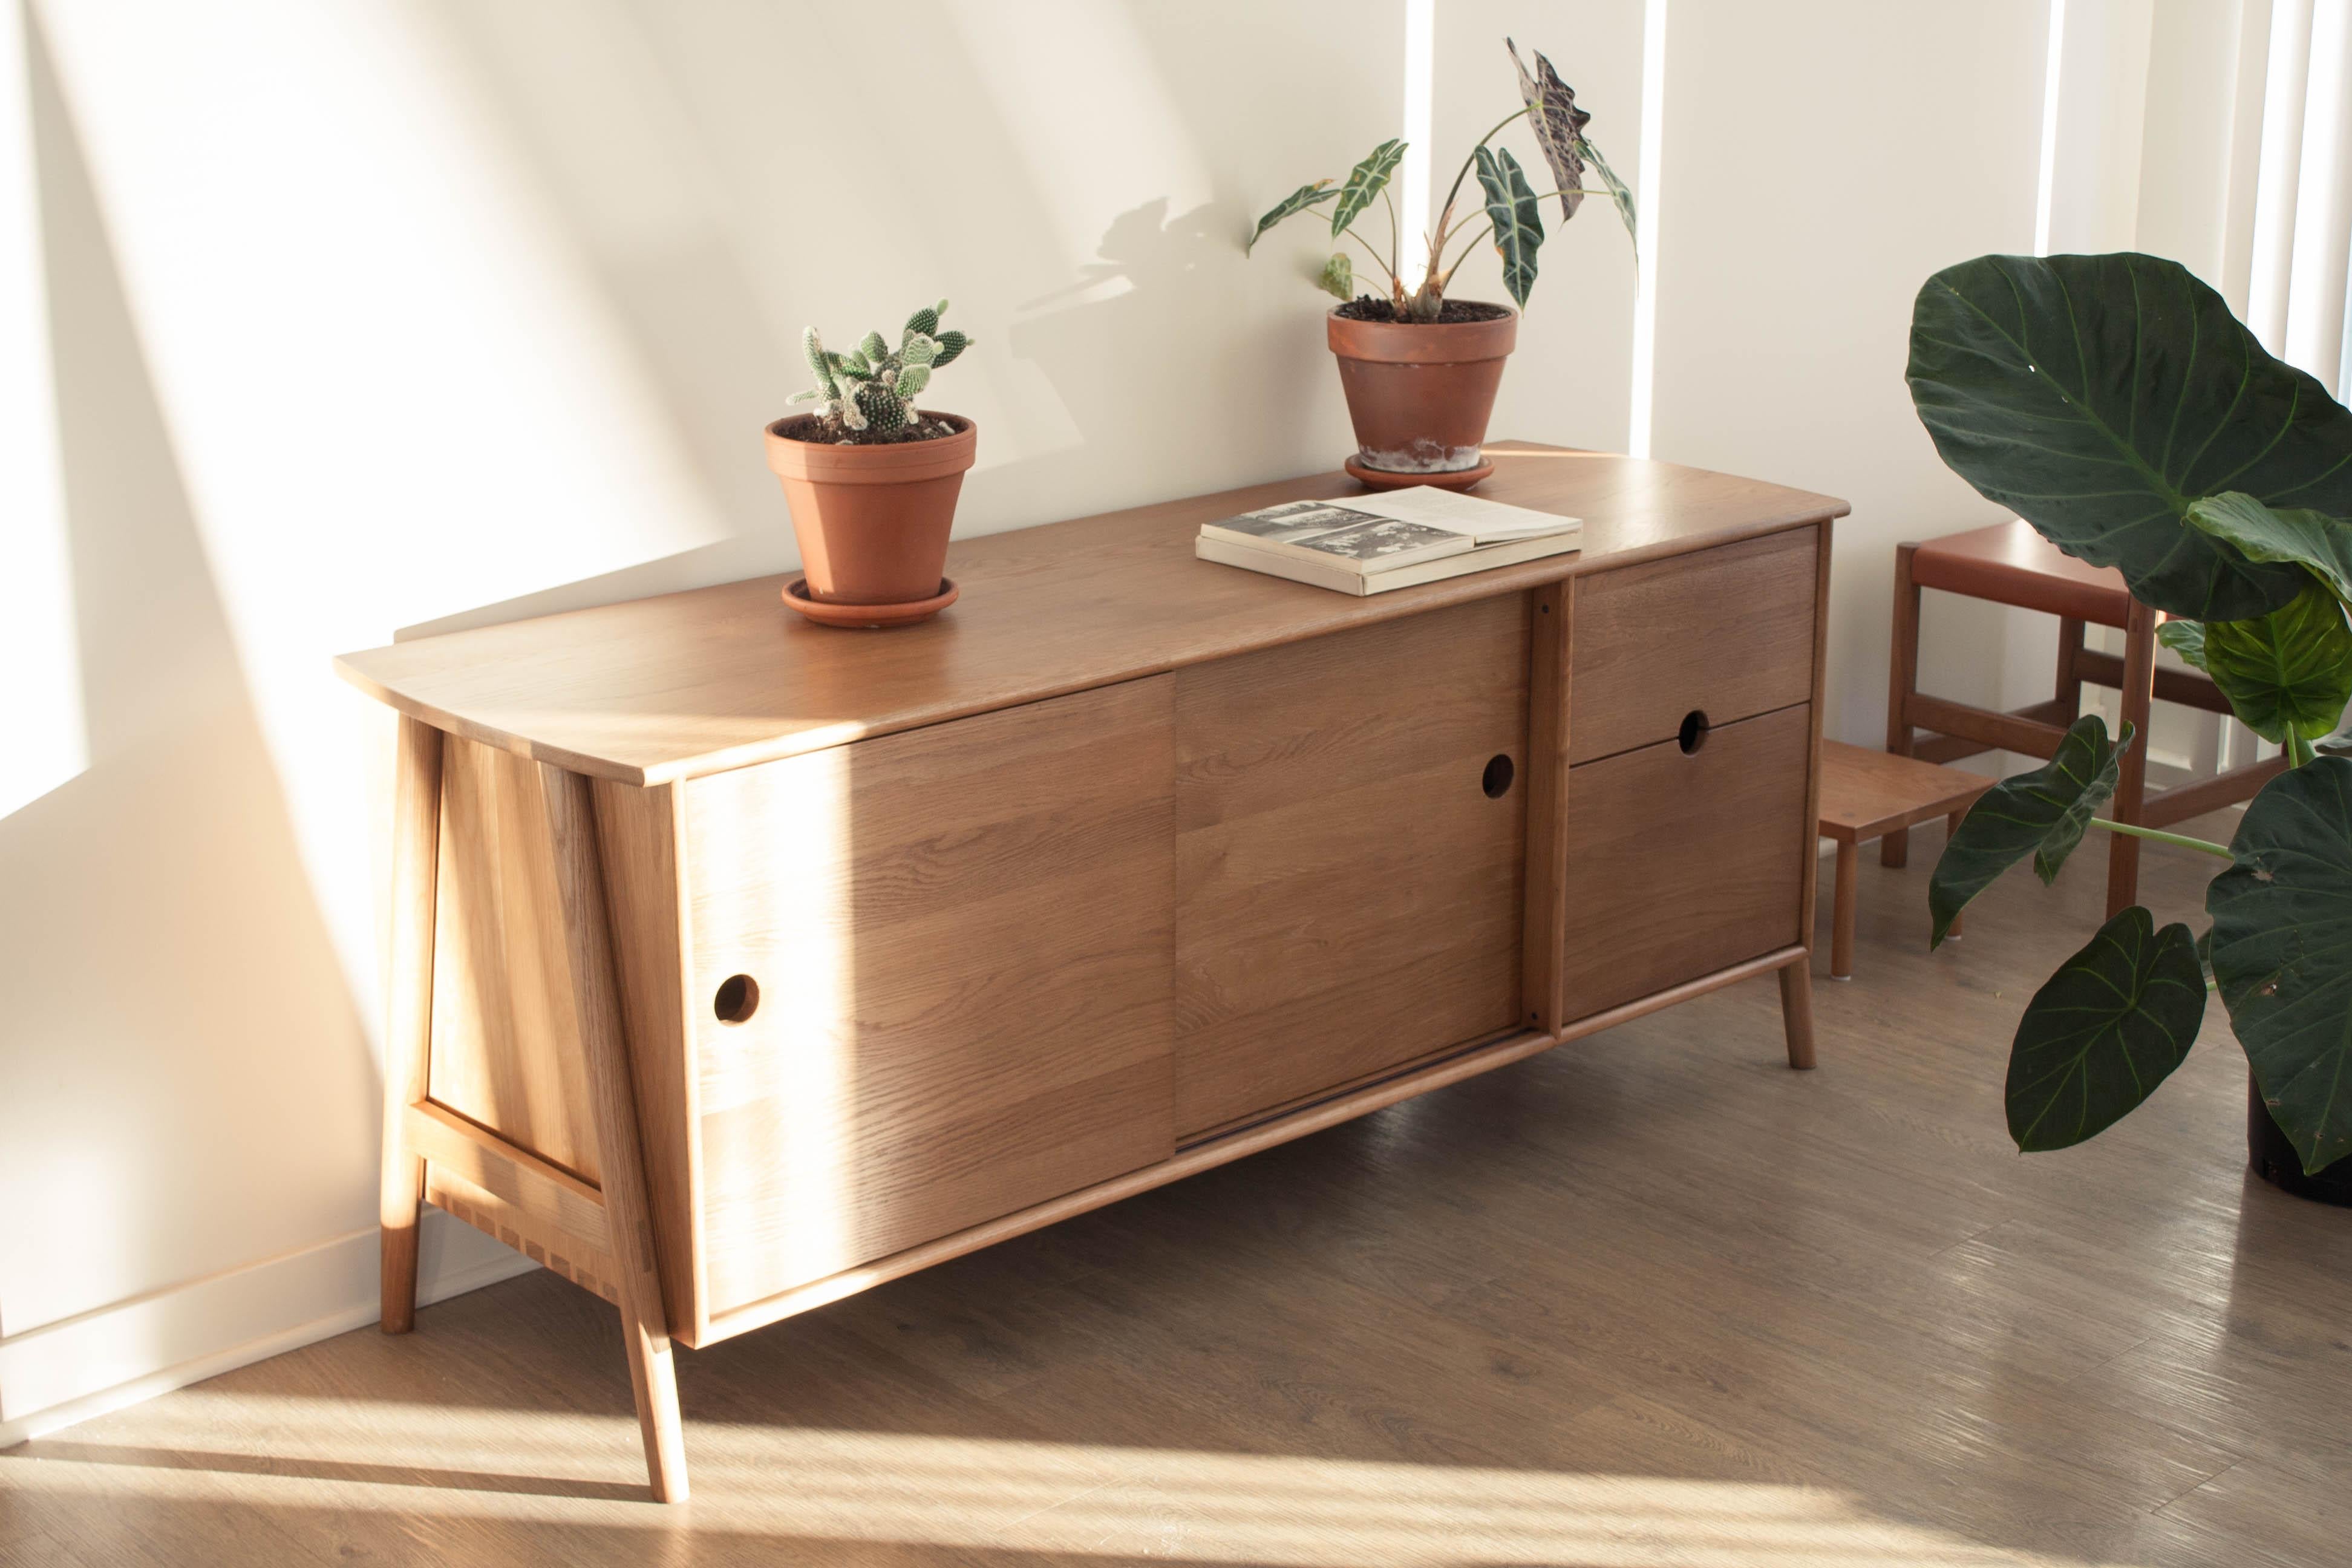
(1485, 521)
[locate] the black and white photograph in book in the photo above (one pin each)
(1294, 522)
(1379, 538)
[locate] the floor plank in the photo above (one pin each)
(1649, 1299)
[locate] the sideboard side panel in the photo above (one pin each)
(637, 840)
(503, 1022)
(961, 938)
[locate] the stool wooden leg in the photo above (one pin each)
(1902, 682)
(408, 1023)
(1797, 1010)
(2131, 782)
(2069, 690)
(1952, 826)
(612, 1104)
(1849, 857)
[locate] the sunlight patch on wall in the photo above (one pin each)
(47, 742)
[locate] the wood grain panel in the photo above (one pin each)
(1681, 864)
(724, 676)
(1727, 631)
(637, 838)
(960, 938)
(1348, 897)
(504, 1030)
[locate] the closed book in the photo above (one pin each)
(1300, 568)
(1339, 536)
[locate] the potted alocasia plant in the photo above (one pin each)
(1418, 369)
(872, 479)
(2115, 402)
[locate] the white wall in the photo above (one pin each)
(404, 315)
(396, 312)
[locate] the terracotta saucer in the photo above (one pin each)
(1386, 479)
(796, 594)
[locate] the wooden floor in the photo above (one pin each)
(1651, 1299)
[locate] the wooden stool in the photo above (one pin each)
(2010, 564)
(1868, 794)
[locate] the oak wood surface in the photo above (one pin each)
(692, 683)
(1852, 1326)
(568, 808)
(1728, 632)
(960, 938)
(505, 1024)
(527, 1230)
(1680, 864)
(552, 1195)
(1543, 954)
(1347, 894)
(408, 1007)
(1865, 792)
(638, 838)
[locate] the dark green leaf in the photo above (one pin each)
(1365, 180)
(2290, 670)
(2304, 537)
(2042, 814)
(2283, 952)
(951, 343)
(1619, 191)
(2097, 396)
(1296, 202)
(1519, 226)
(2104, 1031)
(1559, 126)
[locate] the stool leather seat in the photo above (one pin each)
(2009, 563)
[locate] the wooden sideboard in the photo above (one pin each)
(741, 964)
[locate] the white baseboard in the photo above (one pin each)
(103, 1360)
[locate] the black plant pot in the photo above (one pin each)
(2274, 1159)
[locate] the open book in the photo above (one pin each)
(1368, 544)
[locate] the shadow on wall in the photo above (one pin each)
(162, 952)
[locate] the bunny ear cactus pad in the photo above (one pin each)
(2099, 397)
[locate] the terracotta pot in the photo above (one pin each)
(872, 522)
(1420, 395)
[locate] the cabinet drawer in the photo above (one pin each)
(959, 938)
(1727, 632)
(1684, 863)
(1348, 893)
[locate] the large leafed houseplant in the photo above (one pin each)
(2115, 402)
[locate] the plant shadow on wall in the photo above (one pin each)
(2116, 406)
(1125, 334)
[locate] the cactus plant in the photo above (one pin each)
(868, 393)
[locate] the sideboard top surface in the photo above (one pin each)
(697, 682)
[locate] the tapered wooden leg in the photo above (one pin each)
(2131, 781)
(1952, 825)
(1797, 1009)
(620, 1157)
(1902, 681)
(1849, 857)
(409, 1022)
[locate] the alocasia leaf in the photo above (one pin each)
(2104, 1031)
(1365, 182)
(1337, 277)
(2042, 814)
(2295, 534)
(2283, 952)
(2098, 396)
(1559, 126)
(2289, 671)
(1296, 202)
(1619, 191)
(1519, 226)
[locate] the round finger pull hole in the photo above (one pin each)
(1693, 734)
(738, 999)
(1496, 780)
